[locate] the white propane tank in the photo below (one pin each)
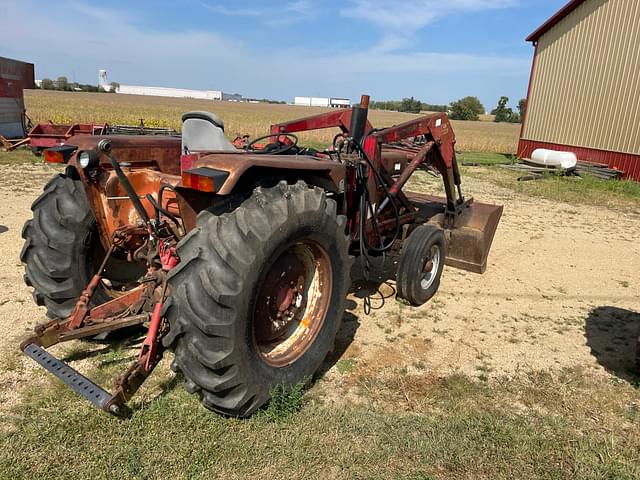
(554, 158)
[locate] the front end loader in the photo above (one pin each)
(237, 256)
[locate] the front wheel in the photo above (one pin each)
(60, 246)
(62, 249)
(421, 263)
(258, 296)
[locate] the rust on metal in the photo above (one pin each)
(117, 305)
(468, 244)
(292, 304)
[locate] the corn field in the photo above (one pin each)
(239, 118)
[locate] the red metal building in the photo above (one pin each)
(14, 77)
(584, 89)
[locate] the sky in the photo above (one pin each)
(435, 51)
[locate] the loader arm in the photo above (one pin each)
(440, 140)
(436, 126)
(340, 119)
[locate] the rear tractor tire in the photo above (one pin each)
(60, 247)
(258, 296)
(421, 263)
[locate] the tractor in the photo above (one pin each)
(236, 256)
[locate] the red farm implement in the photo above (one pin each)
(47, 135)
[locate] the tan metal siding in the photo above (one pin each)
(585, 89)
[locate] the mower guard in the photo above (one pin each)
(469, 240)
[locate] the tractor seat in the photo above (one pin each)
(203, 132)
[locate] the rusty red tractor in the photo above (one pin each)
(237, 256)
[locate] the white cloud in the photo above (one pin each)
(301, 7)
(72, 34)
(412, 15)
(374, 62)
(285, 13)
(239, 12)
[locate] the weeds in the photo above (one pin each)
(345, 365)
(285, 402)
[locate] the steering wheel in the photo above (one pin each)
(273, 148)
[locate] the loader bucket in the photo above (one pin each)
(469, 242)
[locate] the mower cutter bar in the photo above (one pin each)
(71, 377)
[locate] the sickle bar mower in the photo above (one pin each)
(236, 256)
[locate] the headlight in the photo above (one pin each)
(88, 159)
(84, 159)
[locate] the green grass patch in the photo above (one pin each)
(20, 156)
(409, 426)
(346, 365)
(586, 190)
(480, 158)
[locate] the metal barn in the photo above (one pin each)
(14, 77)
(584, 89)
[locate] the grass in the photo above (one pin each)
(485, 158)
(409, 426)
(20, 156)
(585, 190)
(240, 118)
(346, 365)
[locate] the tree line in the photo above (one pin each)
(409, 105)
(62, 84)
(467, 108)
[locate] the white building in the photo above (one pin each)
(170, 92)
(339, 102)
(322, 102)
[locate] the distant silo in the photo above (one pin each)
(102, 80)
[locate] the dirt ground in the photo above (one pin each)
(560, 292)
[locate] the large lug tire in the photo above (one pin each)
(60, 243)
(420, 266)
(282, 251)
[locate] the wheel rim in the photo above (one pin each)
(292, 303)
(430, 267)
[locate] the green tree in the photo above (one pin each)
(434, 108)
(522, 105)
(407, 105)
(114, 87)
(502, 112)
(410, 105)
(63, 83)
(47, 84)
(467, 108)
(506, 114)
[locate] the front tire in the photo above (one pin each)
(60, 244)
(258, 296)
(420, 266)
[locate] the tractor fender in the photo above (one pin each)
(244, 169)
